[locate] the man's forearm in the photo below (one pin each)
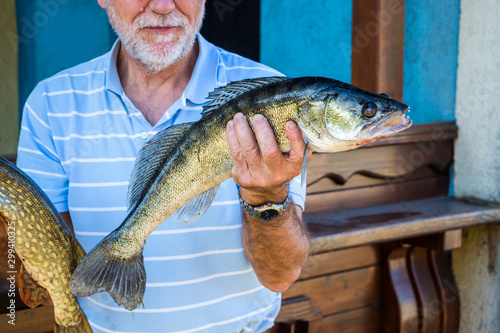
(276, 249)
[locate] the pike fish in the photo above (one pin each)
(45, 245)
(178, 172)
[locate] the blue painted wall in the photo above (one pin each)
(307, 38)
(431, 51)
(300, 37)
(57, 34)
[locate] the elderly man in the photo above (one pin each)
(82, 130)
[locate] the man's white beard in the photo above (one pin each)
(161, 52)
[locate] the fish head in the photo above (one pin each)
(344, 118)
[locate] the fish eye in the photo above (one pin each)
(369, 109)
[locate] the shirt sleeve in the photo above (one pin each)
(297, 192)
(37, 154)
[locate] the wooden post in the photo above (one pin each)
(378, 46)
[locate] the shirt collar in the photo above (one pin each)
(203, 79)
(112, 79)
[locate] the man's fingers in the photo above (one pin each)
(234, 146)
(246, 140)
(294, 134)
(269, 149)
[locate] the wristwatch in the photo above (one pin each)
(266, 212)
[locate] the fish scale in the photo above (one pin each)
(178, 171)
(47, 249)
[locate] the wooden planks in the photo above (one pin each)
(374, 225)
(447, 292)
(445, 241)
(420, 294)
(400, 302)
(336, 290)
(38, 320)
(423, 284)
(339, 292)
(338, 261)
(298, 308)
(385, 164)
(375, 195)
(410, 167)
(378, 46)
(362, 320)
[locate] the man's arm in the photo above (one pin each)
(276, 249)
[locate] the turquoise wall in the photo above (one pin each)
(57, 34)
(307, 38)
(300, 37)
(431, 53)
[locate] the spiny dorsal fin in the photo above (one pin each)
(149, 159)
(223, 94)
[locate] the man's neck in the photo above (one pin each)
(154, 94)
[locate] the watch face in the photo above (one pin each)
(268, 214)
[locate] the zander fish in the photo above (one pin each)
(178, 172)
(45, 245)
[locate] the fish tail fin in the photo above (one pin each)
(123, 278)
(82, 327)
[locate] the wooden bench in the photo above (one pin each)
(381, 227)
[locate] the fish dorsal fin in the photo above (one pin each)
(150, 158)
(223, 94)
(195, 208)
(31, 293)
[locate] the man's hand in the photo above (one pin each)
(259, 167)
(276, 249)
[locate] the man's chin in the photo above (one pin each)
(156, 55)
(156, 62)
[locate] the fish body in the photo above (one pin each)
(45, 245)
(177, 173)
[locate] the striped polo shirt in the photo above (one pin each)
(79, 140)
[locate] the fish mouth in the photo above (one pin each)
(390, 124)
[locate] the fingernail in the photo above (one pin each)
(230, 124)
(239, 116)
(258, 117)
(291, 125)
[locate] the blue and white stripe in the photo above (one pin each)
(79, 140)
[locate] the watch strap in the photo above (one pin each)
(255, 212)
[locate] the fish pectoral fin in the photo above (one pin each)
(195, 208)
(303, 174)
(31, 293)
(150, 158)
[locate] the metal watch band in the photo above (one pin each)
(261, 213)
